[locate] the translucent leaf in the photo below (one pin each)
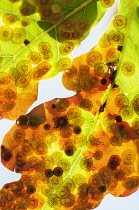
(71, 152)
(35, 38)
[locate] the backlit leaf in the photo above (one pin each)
(35, 38)
(71, 152)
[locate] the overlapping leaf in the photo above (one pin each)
(35, 38)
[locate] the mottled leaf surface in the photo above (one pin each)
(71, 152)
(36, 39)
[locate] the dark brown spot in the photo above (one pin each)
(18, 169)
(102, 188)
(58, 171)
(118, 118)
(26, 42)
(101, 109)
(46, 126)
(31, 189)
(119, 175)
(53, 106)
(62, 122)
(6, 186)
(48, 173)
(119, 48)
(103, 81)
(77, 130)
(114, 162)
(22, 120)
(6, 154)
(69, 151)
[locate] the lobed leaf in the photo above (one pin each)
(71, 152)
(35, 38)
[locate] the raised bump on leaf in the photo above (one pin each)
(9, 94)
(63, 64)
(9, 18)
(76, 83)
(23, 82)
(98, 154)
(68, 25)
(111, 55)
(19, 135)
(64, 35)
(86, 104)
(64, 164)
(26, 149)
(34, 57)
(66, 132)
(57, 17)
(131, 183)
(6, 33)
(106, 3)
(93, 57)
(128, 157)
(19, 35)
(23, 201)
(46, 12)
(115, 37)
(41, 149)
(62, 105)
(82, 25)
(121, 100)
(25, 22)
(126, 112)
(40, 70)
(128, 69)
(8, 106)
(66, 47)
(99, 69)
(26, 9)
(22, 121)
(127, 169)
(86, 164)
(84, 70)
(24, 67)
(119, 22)
(103, 41)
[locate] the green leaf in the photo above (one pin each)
(32, 43)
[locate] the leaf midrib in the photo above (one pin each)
(106, 96)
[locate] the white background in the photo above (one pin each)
(50, 89)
